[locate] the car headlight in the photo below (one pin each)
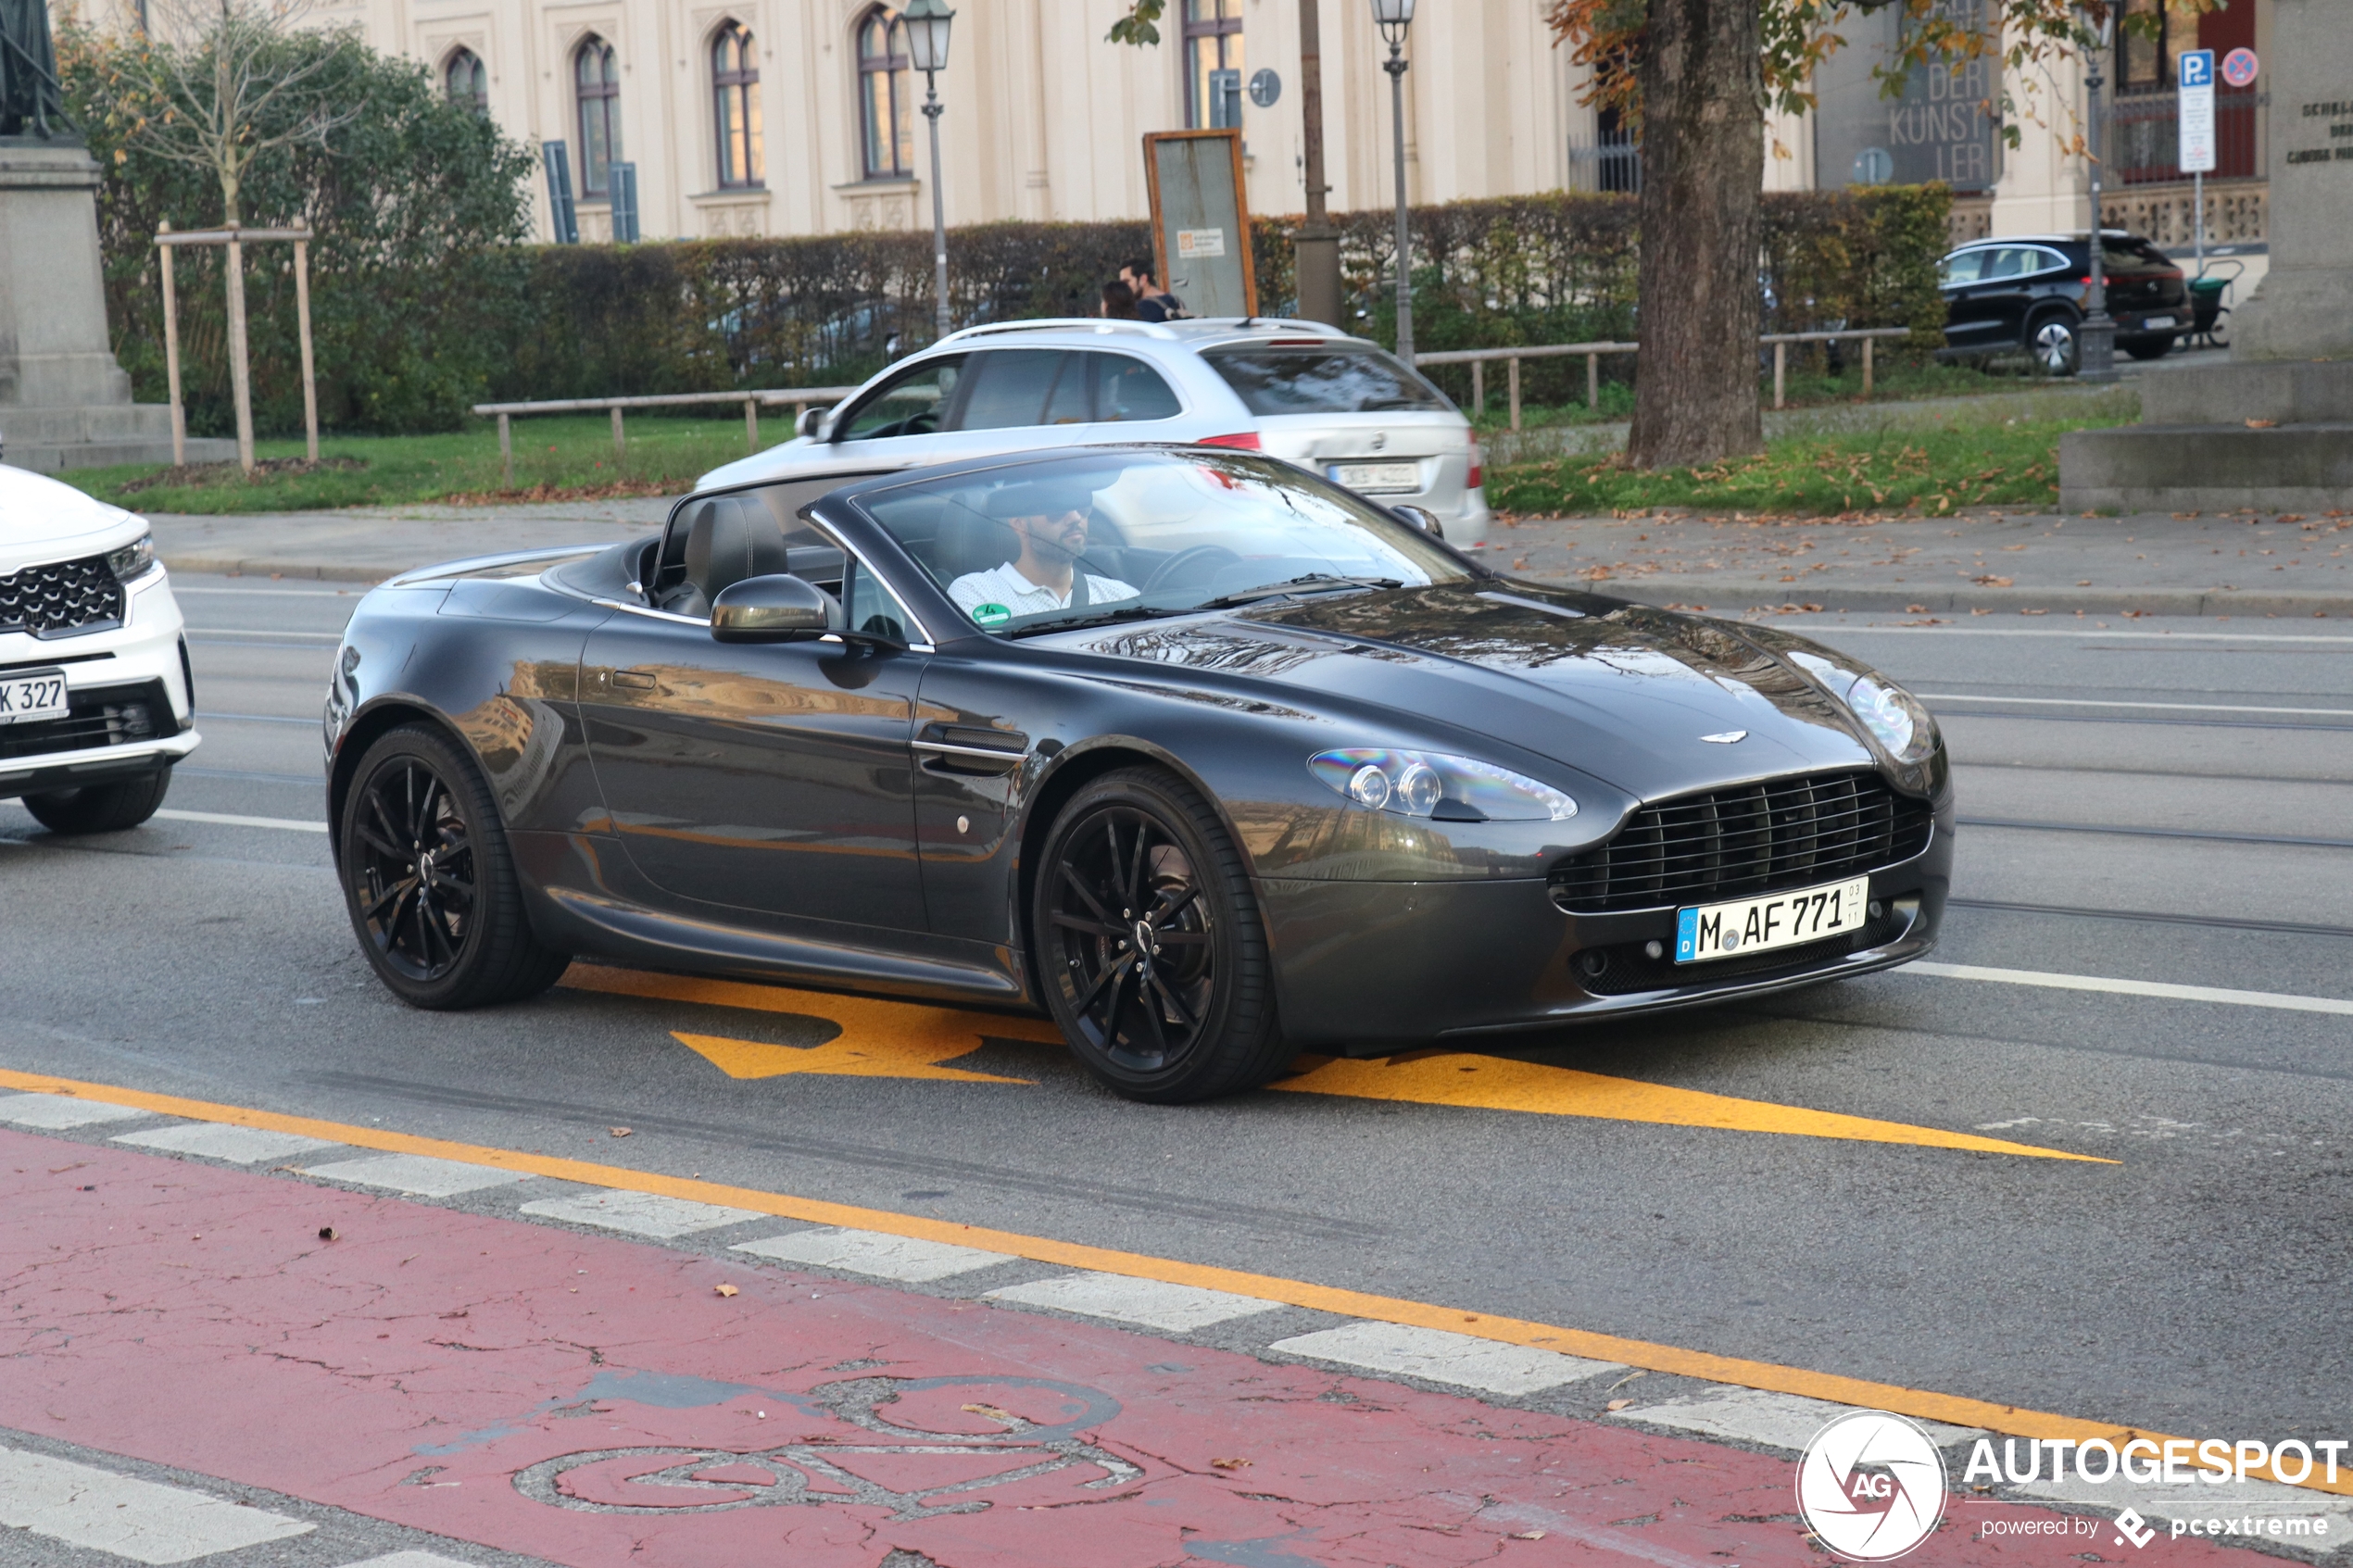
(132, 558)
(1893, 716)
(1430, 784)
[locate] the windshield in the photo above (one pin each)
(1322, 380)
(1132, 536)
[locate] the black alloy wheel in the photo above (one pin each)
(1151, 950)
(429, 881)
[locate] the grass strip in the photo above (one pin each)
(1932, 470)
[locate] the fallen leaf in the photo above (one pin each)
(1229, 1463)
(992, 1413)
(618, 1131)
(725, 1290)
(1529, 1536)
(1617, 1404)
(328, 1233)
(2082, 582)
(1916, 609)
(1991, 581)
(2261, 425)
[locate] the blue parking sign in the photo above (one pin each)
(2197, 68)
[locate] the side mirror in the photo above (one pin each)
(1423, 519)
(778, 609)
(811, 420)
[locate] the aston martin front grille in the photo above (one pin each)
(63, 595)
(1736, 843)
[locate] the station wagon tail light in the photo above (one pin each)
(1247, 440)
(1477, 473)
(1433, 784)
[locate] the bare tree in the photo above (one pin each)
(227, 82)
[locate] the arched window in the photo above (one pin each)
(467, 80)
(1213, 43)
(595, 75)
(734, 88)
(885, 96)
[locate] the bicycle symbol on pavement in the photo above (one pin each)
(915, 1473)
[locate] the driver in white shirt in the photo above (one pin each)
(1049, 517)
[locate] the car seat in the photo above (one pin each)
(728, 539)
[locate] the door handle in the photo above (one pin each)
(634, 679)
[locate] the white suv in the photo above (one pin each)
(1334, 405)
(94, 687)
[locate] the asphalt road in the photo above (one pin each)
(2181, 800)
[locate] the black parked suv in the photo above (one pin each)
(2028, 292)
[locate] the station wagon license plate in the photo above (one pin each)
(1784, 919)
(30, 695)
(1377, 476)
(2157, 321)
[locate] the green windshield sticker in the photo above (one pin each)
(991, 614)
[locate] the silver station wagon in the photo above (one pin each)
(1338, 406)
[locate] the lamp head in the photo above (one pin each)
(927, 22)
(1393, 17)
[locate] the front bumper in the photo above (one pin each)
(1369, 968)
(128, 689)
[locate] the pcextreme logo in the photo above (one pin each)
(1871, 1487)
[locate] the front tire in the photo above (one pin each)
(106, 808)
(1151, 949)
(429, 879)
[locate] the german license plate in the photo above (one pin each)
(1377, 476)
(1759, 925)
(28, 695)
(2157, 321)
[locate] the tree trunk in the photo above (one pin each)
(1703, 179)
(240, 370)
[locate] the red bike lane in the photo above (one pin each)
(600, 1402)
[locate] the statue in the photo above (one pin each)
(31, 103)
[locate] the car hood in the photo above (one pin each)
(43, 520)
(1625, 693)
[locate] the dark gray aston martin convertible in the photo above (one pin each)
(1202, 755)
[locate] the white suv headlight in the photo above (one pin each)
(1893, 715)
(133, 559)
(1431, 784)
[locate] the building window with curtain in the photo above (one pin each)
(1213, 41)
(735, 86)
(885, 96)
(467, 80)
(595, 75)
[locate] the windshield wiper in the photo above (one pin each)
(1098, 617)
(1313, 582)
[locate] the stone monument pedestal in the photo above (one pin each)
(64, 402)
(2291, 369)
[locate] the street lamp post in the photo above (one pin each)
(1394, 17)
(927, 23)
(2096, 356)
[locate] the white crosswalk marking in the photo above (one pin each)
(223, 819)
(639, 1213)
(141, 1520)
(901, 1257)
(2252, 1503)
(245, 1145)
(1772, 1420)
(1174, 1309)
(59, 1113)
(1441, 1357)
(420, 1175)
(410, 1560)
(2165, 988)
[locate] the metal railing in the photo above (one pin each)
(800, 398)
(2144, 132)
(1477, 360)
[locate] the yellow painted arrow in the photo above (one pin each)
(878, 1039)
(1492, 1082)
(887, 1039)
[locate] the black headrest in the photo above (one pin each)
(730, 538)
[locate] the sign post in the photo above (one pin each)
(2194, 116)
(1200, 224)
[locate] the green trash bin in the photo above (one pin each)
(2206, 302)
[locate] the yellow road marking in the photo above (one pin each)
(878, 1039)
(1924, 1404)
(887, 1039)
(1493, 1083)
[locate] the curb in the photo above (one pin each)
(1726, 597)
(335, 571)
